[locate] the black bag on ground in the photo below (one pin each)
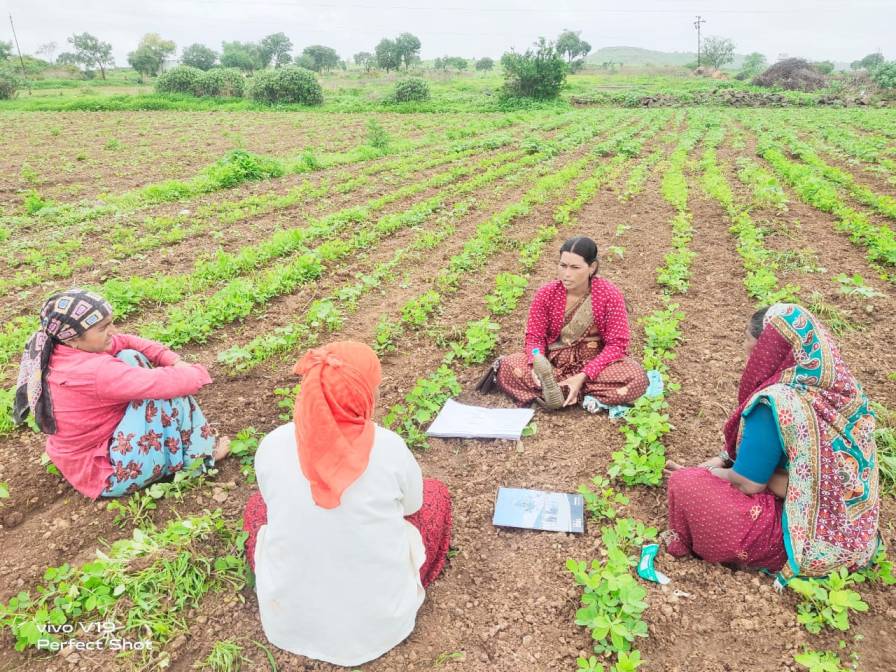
(489, 380)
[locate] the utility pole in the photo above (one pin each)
(21, 60)
(700, 21)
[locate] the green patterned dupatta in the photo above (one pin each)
(827, 429)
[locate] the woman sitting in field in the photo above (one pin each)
(345, 533)
(797, 484)
(577, 334)
(116, 408)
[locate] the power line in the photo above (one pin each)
(699, 22)
(21, 60)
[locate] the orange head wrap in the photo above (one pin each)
(334, 430)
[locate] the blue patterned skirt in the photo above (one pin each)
(156, 438)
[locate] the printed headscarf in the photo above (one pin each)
(333, 411)
(827, 430)
(65, 315)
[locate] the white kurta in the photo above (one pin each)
(340, 585)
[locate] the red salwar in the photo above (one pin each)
(715, 521)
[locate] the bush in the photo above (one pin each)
(286, 85)
(181, 79)
(241, 166)
(884, 76)
(538, 74)
(792, 74)
(410, 89)
(9, 84)
(223, 83)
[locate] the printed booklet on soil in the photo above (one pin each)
(539, 510)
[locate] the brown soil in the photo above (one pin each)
(71, 158)
(95, 237)
(506, 602)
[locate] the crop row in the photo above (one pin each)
(759, 263)
(199, 317)
(642, 457)
(234, 170)
(479, 337)
(612, 599)
(126, 294)
(305, 332)
(883, 204)
(844, 141)
(428, 394)
(140, 586)
(53, 254)
(815, 190)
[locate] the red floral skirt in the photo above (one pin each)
(712, 519)
(433, 520)
(621, 382)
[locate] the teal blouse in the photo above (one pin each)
(760, 451)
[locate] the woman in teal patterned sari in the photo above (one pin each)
(796, 488)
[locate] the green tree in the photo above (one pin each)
(290, 84)
(275, 48)
(388, 55)
(199, 56)
(9, 83)
(409, 47)
(91, 52)
(149, 55)
(243, 55)
(67, 58)
(870, 62)
(5, 50)
(824, 67)
(304, 61)
(754, 63)
(885, 75)
(365, 59)
(538, 73)
(457, 62)
(574, 47)
(717, 51)
(485, 64)
(323, 59)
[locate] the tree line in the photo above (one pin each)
(275, 50)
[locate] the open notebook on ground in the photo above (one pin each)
(477, 422)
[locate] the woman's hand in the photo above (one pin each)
(535, 379)
(575, 386)
(181, 362)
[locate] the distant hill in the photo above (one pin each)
(637, 56)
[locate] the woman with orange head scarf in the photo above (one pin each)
(345, 533)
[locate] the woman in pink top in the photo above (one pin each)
(576, 340)
(116, 408)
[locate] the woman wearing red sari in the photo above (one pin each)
(576, 340)
(796, 488)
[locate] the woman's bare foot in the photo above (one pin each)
(222, 448)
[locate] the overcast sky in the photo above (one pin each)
(842, 30)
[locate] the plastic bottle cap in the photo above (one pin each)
(536, 351)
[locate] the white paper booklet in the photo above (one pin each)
(476, 422)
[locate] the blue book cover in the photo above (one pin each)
(539, 510)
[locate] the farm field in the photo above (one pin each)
(242, 238)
